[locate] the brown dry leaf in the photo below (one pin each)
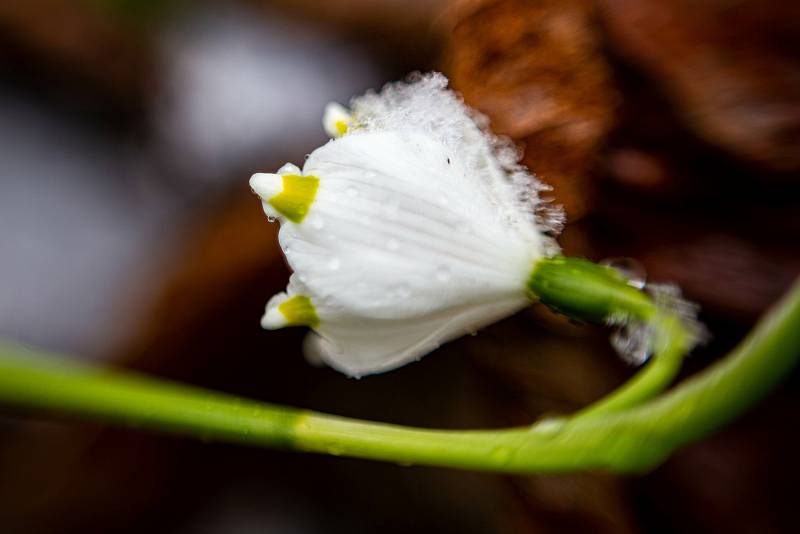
(536, 69)
(93, 54)
(730, 69)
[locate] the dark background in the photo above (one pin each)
(670, 131)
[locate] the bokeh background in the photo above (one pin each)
(669, 130)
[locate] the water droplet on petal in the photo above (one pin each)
(443, 273)
(316, 222)
(271, 218)
(629, 268)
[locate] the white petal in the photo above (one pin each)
(426, 105)
(393, 217)
(363, 346)
(273, 318)
(335, 120)
(402, 251)
(313, 349)
(421, 228)
(266, 185)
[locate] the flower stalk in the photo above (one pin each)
(599, 294)
(625, 432)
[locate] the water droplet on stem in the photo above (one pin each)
(629, 268)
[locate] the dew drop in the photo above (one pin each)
(392, 244)
(633, 342)
(629, 268)
(443, 273)
(351, 192)
(334, 263)
(271, 218)
(317, 222)
(550, 427)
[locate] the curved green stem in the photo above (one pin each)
(595, 293)
(627, 440)
(672, 345)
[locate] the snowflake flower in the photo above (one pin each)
(412, 227)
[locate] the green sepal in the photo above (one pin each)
(586, 291)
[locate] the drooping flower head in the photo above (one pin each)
(414, 225)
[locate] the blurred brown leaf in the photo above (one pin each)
(81, 47)
(730, 69)
(536, 69)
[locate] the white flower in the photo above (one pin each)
(413, 227)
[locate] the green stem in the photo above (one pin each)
(628, 440)
(599, 294)
(662, 368)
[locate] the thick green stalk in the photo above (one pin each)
(626, 440)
